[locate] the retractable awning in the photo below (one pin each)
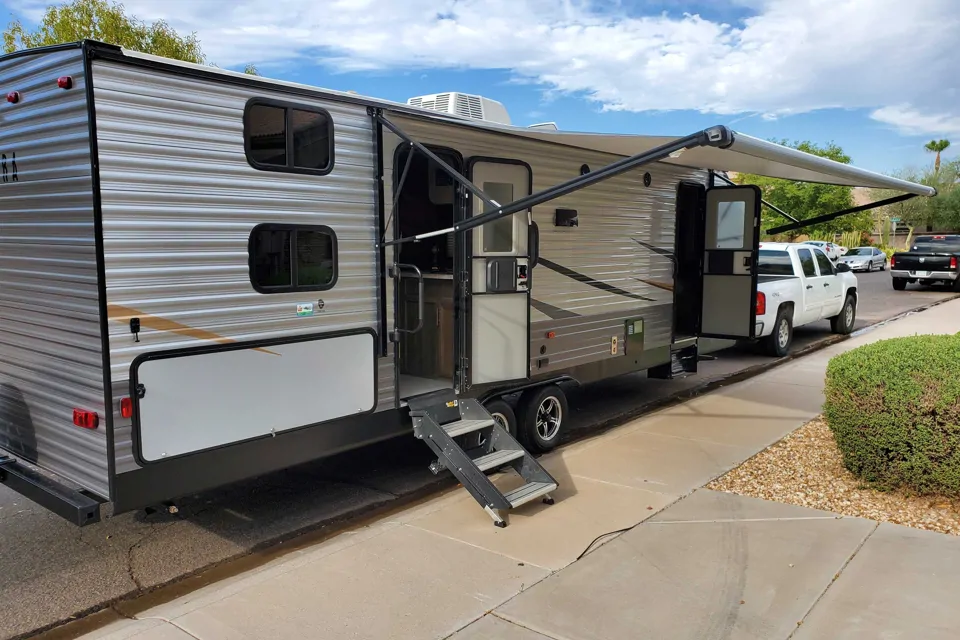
(717, 148)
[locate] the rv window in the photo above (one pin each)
(730, 219)
(498, 235)
(280, 137)
(284, 258)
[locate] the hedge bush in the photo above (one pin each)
(894, 408)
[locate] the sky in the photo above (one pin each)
(878, 77)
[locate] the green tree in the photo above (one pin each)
(941, 212)
(805, 200)
(106, 22)
(251, 70)
(937, 147)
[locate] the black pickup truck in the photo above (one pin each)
(931, 259)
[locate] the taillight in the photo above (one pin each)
(893, 261)
(126, 407)
(86, 419)
(761, 303)
(953, 262)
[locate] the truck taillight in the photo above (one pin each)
(893, 261)
(761, 303)
(953, 262)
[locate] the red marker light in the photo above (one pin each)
(13, 97)
(126, 407)
(65, 82)
(86, 419)
(551, 335)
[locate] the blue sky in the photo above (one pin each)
(874, 76)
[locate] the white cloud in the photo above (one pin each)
(792, 56)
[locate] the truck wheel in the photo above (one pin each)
(955, 285)
(503, 413)
(899, 284)
(777, 344)
(844, 321)
(544, 411)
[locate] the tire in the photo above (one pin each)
(844, 322)
(899, 284)
(777, 344)
(544, 412)
(504, 414)
(870, 267)
(955, 285)
(883, 265)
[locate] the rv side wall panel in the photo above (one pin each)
(616, 265)
(179, 203)
(50, 343)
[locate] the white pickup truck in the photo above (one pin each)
(796, 285)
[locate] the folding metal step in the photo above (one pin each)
(441, 418)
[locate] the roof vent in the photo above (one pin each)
(464, 105)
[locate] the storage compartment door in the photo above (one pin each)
(498, 322)
(200, 399)
(731, 248)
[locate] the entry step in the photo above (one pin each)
(460, 427)
(497, 458)
(529, 492)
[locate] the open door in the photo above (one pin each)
(495, 325)
(731, 247)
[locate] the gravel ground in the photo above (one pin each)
(805, 469)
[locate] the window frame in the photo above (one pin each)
(813, 259)
(293, 287)
(289, 108)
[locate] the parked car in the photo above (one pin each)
(865, 259)
(797, 284)
(832, 250)
(931, 259)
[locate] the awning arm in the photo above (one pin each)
(472, 188)
(833, 216)
(719, 136)
(762, 201)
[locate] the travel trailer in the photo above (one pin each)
(207, 276)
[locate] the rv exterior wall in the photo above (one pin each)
(50, 345)
(180, 201)
(594, 277)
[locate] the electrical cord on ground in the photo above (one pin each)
(605, 535)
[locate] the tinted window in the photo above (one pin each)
(498, 235)
(861, 252)
(937, 245)
(806, 261)
(287, 258)
(774, 263)
(826, 267)
(287, 138)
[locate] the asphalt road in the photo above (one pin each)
(51, 571)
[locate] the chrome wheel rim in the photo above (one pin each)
(549, 417)
(848, 315)
(501, 420)
(783, 334)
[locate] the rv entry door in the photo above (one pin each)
(731, 246)
(497, 319)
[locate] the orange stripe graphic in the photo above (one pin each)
(118, 312)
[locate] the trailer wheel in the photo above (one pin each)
(844, 321)
(777, 344)
(899, 284)
(503, 413)
(544, 413)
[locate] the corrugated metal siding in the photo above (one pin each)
(179, 201)
(617, 218)
(50, 343)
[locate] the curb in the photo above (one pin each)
(126, 606)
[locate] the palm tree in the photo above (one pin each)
(937, 146)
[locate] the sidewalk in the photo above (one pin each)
(702, 564)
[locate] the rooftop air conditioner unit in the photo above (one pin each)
(464, 105)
